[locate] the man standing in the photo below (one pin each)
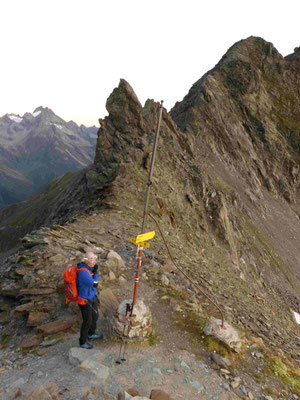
(87, 282)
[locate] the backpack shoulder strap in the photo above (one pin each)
(85, 269)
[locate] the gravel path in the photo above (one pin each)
(147, 367)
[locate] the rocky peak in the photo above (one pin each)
(294, 57)
(248, 106)
(250, 49)
(44, 110)
(121, 130)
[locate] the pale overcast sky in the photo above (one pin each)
(69, 55)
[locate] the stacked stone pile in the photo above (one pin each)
(141, 320)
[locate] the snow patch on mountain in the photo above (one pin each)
(36, 113)
(57, 125)
(16, 119)
(297, 317)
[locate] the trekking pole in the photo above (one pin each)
(140, 247)
(119, 359)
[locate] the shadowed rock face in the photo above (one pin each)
(120, 132)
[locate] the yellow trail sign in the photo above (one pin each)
(143, 244)
(141, 239)
(145, 236)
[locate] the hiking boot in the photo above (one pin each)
(86, 345)
(95, 336)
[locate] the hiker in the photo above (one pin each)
(87, 282)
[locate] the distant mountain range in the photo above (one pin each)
(38, 147)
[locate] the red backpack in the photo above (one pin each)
(70, 280)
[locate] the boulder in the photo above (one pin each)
(115, 260)
(164, 280)
(157, 394)
(56, 326)
(124, 396)
(141, 322)
(35, 318)
(31, 341)
(77, 355)
(24, 308)
(133, 392)
(99, 370)
(45, 392)
(229, 335)
(98, 393)
(221, 361)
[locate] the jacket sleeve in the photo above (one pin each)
(96, 277)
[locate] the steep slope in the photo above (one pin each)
(225, 194)
(247, 111)
(36, 148)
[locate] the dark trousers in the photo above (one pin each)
(89, 314)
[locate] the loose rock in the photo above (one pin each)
(34, 340)
(159, 395)
(99, 370)
(35, 318)
(56, 326)
(229, 335)
(45, 392)
(115, 260)
(221, 361)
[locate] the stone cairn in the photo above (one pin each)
(141, 322)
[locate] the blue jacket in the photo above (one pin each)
(85, 282)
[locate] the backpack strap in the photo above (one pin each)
(83, 301)
(85, 269)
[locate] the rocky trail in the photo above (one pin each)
(169, 363)
(177, 358)
(80, 373)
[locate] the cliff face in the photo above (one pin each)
(225, 187)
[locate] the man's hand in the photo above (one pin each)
(95, 269)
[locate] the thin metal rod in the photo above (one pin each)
(137, 276)
(149, 183)
(140, 248)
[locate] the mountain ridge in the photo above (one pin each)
(39, 147)
(235, 233)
